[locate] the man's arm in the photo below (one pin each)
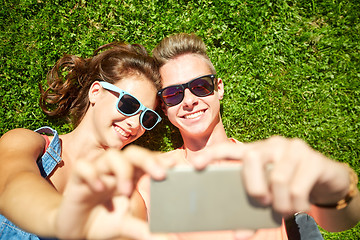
(300, 177)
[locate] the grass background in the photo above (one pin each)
(290, 67)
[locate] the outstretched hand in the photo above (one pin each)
(96, 202)
(299, 175)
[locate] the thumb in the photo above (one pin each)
(134, 228)
(159, 237)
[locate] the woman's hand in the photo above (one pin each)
(96, 202)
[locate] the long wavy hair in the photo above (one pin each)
(70, 79)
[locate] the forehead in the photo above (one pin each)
(183, 69)
(131, 82)
(140, 87)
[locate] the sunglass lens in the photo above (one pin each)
(173, 95)
(128, 104)
(202, 86)
(149, 119)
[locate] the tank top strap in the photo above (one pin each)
(52, 156)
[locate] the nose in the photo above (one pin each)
(133, 121)
(189, 98)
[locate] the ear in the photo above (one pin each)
(220, 88)
(94, 92)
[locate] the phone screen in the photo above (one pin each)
(209, 200)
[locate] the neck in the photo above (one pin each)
(81, 144)
(195, 144)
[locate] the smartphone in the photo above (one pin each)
(212, 199)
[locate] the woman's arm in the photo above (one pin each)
(96, 202)
(24, 194)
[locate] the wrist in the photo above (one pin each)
(351, 193)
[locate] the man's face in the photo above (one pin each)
(195, 115)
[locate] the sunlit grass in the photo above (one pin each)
(290, 67)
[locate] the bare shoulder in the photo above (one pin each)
(233, 140)
(19, 151)
(175, 154)
(21, 141)
(172, 153)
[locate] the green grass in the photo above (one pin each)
(290, 67)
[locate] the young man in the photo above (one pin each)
(300, 176)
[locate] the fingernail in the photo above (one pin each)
(244, 234)
(199, 164)
(98, 186)
(159, 173)
(126, 188)
(266, 200)
(157, 237)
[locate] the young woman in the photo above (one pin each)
(79, 185)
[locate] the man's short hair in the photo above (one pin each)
(179, 44)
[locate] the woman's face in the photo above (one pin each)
(113, 129)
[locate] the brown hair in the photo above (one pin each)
(70, 79)
(179, 44)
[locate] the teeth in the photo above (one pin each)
(194, 115)
(122, 132)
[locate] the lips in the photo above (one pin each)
(194, 115)
(121, 131)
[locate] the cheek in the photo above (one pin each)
(216, 106)
(139, 133)
(108, 113)
(107, 105)
(172, 116)
(170, 112)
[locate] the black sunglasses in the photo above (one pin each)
(201, 87)
(129, 105)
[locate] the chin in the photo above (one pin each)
(118, 144)
(198, 128)
(196, 131)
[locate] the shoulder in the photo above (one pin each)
(179, 153)
(22, 140)
(19, 151)
(235, 140)
(20, 135)
(172, 152)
